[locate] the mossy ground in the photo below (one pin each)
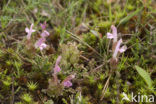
(77, 33)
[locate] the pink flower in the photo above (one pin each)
(43, 26)
(40, 44)
(57, 68)
(29, 31)
(113, 35)
(44, 34)
(118, 49)
(67, 82)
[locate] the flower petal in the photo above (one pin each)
(44, 34)
(43, 26)
(33, 30)
(110, 36)
(26, 29)
(31, 26)
(123, 49)
(57, 69)
(67, 84)
(39, 42)
(42, 46)
(29, 31)
(114, 32)
(117, 49)
(114, 29)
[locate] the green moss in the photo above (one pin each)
(90, 38)
(130, 7)
(70, 55)
(27, 98)
(104, 24)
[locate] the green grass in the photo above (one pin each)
(78, 31)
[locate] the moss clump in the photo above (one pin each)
(70, 55)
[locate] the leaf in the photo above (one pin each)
(127, 18)
(144, 75)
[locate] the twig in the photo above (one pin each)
(105, 86)
(99, 66)
(84, 57)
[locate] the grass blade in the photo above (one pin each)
(127, 18)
